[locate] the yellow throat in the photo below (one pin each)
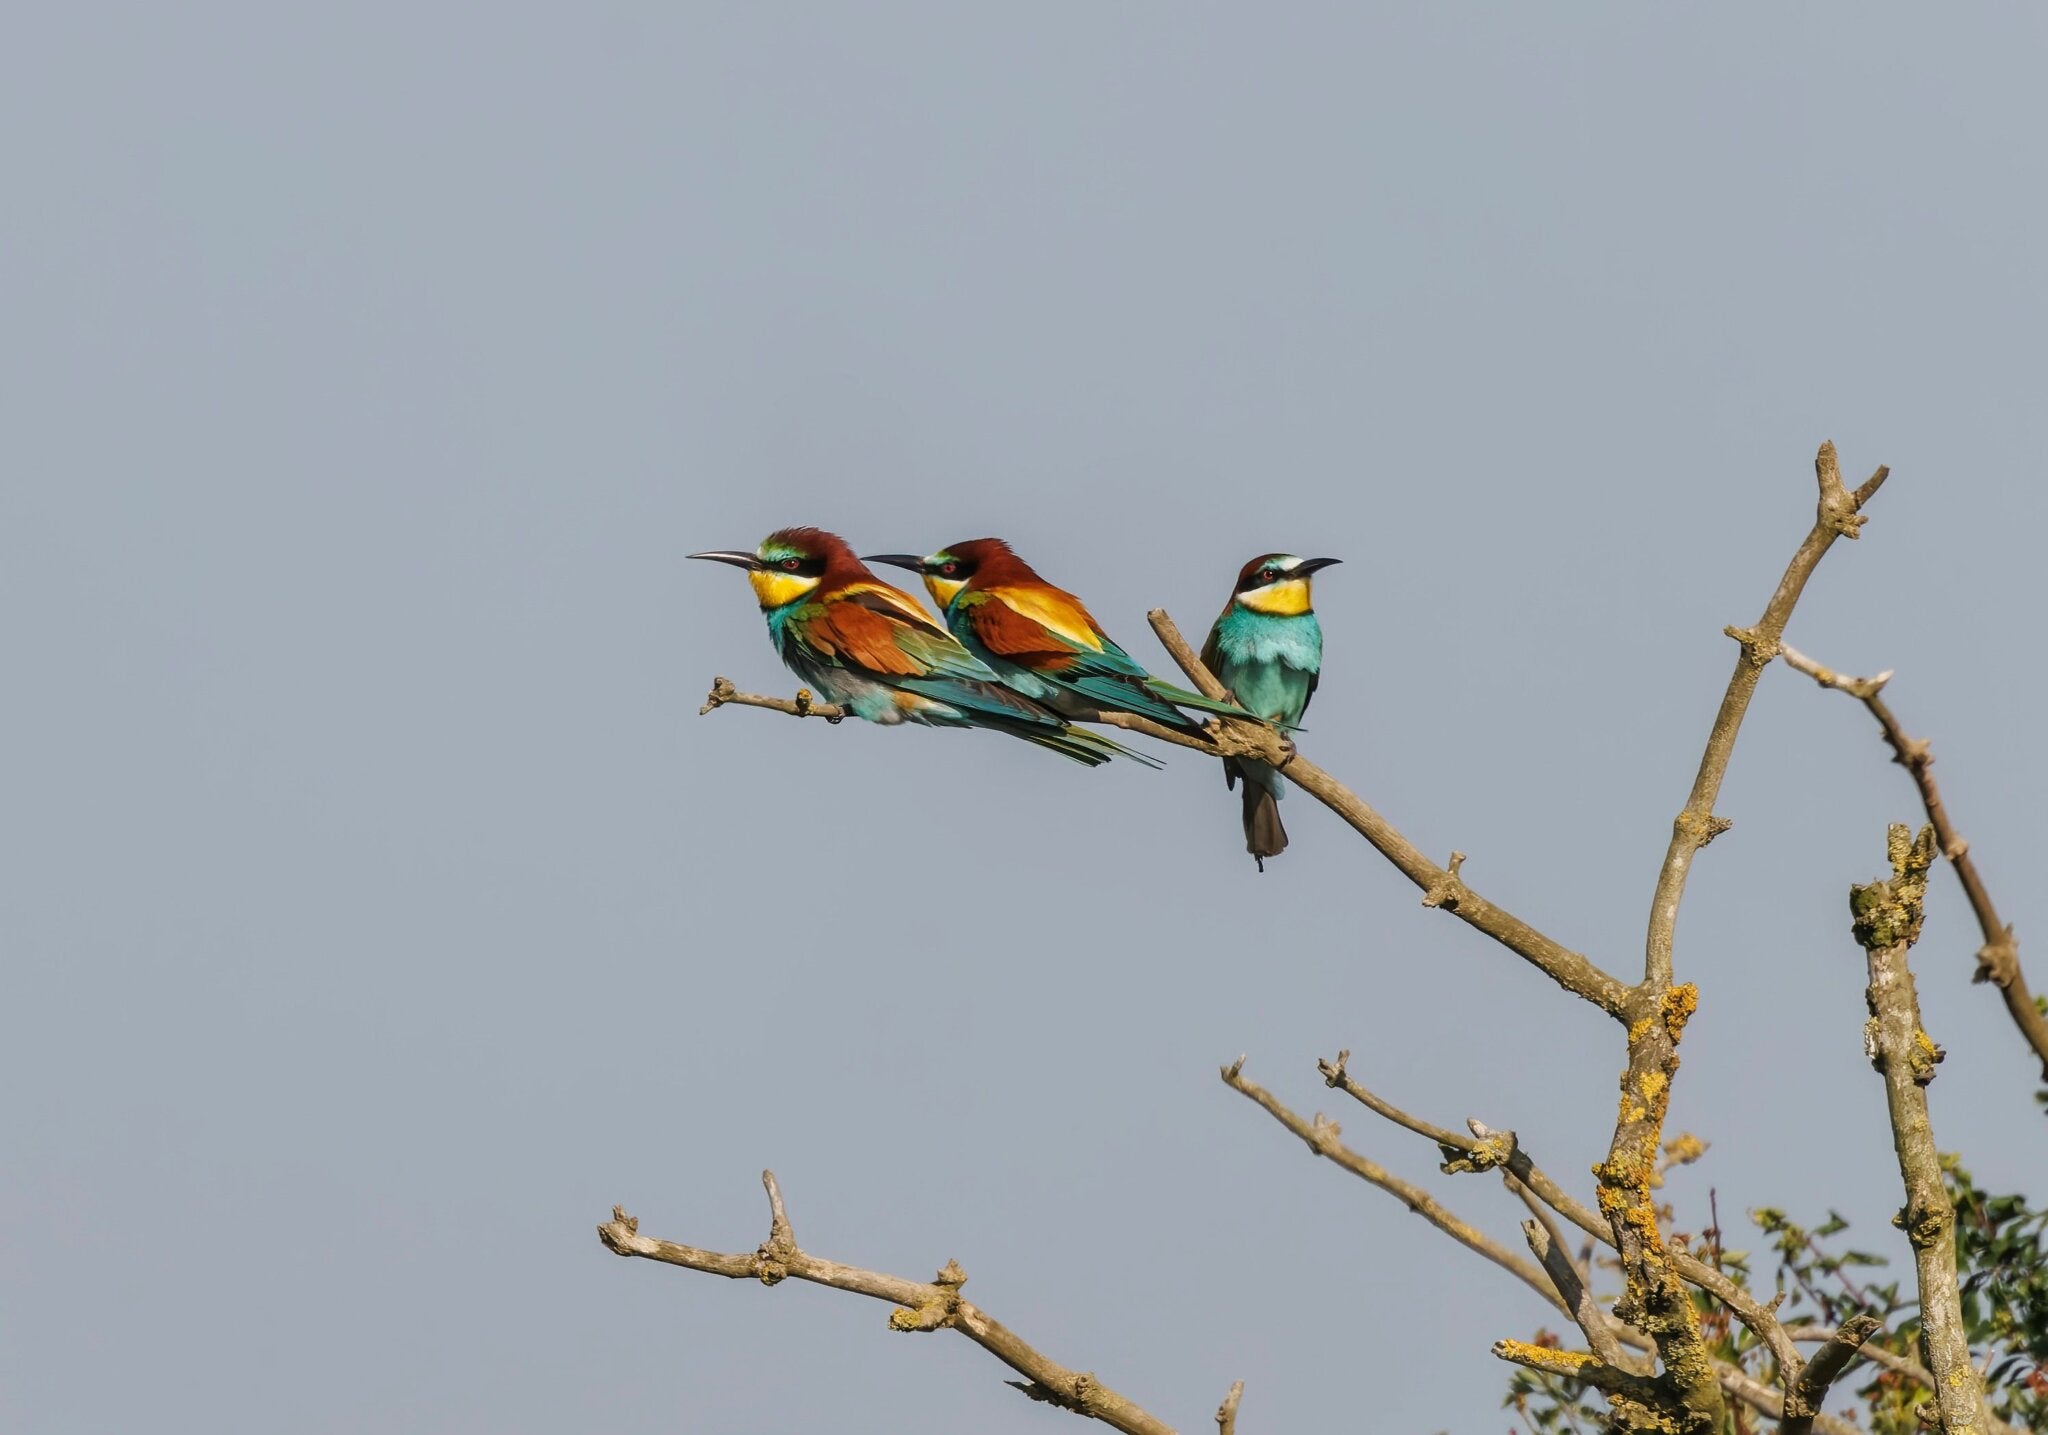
(1285, 598)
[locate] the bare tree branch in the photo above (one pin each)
(1337, 1074)
(1654, 1297)
(1805, 1396)
(1441, 886)
(1323, 1137)
(1766, 1401)
(1735, 1382)
(1886, 920)
(921, 1306)
(1879, 1354)
(1548, 1247)
(1490, 1150)
(1838, 515)
(802, 705)
(724, 694)
(1998, 960)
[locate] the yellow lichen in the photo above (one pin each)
(1679, 1005)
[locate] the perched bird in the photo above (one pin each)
(1040, 640)
(1267, 648)
(875, 650)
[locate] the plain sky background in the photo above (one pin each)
(378, 910)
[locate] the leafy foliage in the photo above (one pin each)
(2001, 1255)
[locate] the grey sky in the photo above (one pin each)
(379, 911)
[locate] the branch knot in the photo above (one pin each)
(1449, 887)
(1757, 649)
(1999, 962)
(1889, 913)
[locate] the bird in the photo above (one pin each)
(873, 649)
(1041, 640)
(1266, 648)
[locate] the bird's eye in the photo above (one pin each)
(1270, 574)
(949, 568)
(792, 564)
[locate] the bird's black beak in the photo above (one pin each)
(1315, 565)
(738, 560)
(896, 560)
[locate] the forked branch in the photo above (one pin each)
(1654, 1295)
(1488, 1150)
(1998, 960)
(920, 1306)
(1324, 1138)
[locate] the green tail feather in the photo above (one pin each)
(1183, 698)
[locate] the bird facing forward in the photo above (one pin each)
(873, 649)
(1266, 647)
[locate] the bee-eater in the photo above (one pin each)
(1041, 640)
(873, 648)
(1267, 648)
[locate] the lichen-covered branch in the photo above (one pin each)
(1998, 960)
(1631, 1396)
(1442, 887)
(1654, 1298)
(920, 1306)
(1886, 918)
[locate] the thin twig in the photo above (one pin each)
(802, 705)
(1226, 1413)
(1547, 1245)
(1442, 887)
(1502, 1150)
(1337, 1074)
(1838, 515)
(1886, 919)
(921, 1306)
(1998, 960)
(1323, 1137)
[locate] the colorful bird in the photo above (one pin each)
(873, 648)
(1267, 648)
(1040, 640)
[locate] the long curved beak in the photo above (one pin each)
(896, 560)
(726, 555)
(1315, 565)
